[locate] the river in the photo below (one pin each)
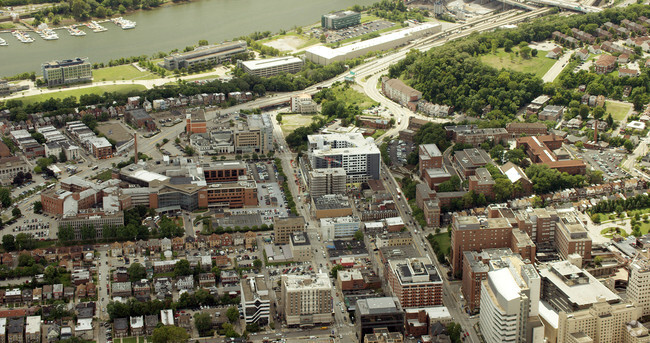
(167, 28)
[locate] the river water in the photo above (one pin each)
(168, 28)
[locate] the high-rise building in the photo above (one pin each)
(510, 302)
(359, 156)
(307, 299)
(67, 71)
(339, 20)
(601, 323)
(638, 285)
(475, 269)
(468, 233)
(326, 181)
(284, 227)
(415, 282)
(571, 237)
(255, 301)
(373, 313)
(255, 136)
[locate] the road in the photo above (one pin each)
(557, 68)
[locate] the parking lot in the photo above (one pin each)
(262, 171)
(607, 161)
(399, 151)
(334, 36)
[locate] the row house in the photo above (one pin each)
(185, 283)
(121, 289)
(565, 39)
(57, 291)
(642, 42)
(630, 25)
(91, 290)
(207, 280)
(165, 244)
(164, 266)
(150, 323)
(163, 287)
(216, 241)
(615, 48)
(601, 33)
(81, 291)
(583, 36)
(142, 290)
(178, 243)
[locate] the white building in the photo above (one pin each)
(32, 329)
(325, 55)
(255, 301)
(302, 103)
(638, 286)
(307, 299)
(167, 317)
(339, 227)
(509, 298)
(272, 66)
(359, 156)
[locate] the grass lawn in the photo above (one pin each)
(105, 175)
(610, 231)
(368, 17)
(444, 241)
(352, 97)
(617, 110)
(645, 228)
(378, 134)
(290, 122)
(123, 72)
(130, 340)
(538, 65)
(77, 92)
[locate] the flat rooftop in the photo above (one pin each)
(578, 285)
(384, 305)
(270, 62)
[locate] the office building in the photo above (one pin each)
(415, 282)
(510, 303)
(382, 335)
(468, 160)
(67, 71)
(638, 285)
(195, 121)
(470, 134)
(96, 220)
(340, 19)
(541, 149)
(331, 206)
(326, 181)
(272, 66)
(255, 135)
(307, 299)
(476, 265)
(284, 227)
(571, 237)
(229, 171)
(303, 103)
(255, 301)
(11, 166)
(326, 55)
(204, 55)
(301, 248)
(529, 129)
(482, 183)
(339, 227)
(430, 157)
(601, 323)
(359, 156)
(373, 313)
(568, 288)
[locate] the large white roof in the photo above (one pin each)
(504, 283)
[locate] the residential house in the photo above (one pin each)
(555, 53)
(583, 54)
(68, 292)
(120, 327)
(16, 330)
(142, 290)
(165, 244)
(121, 289)
(57, 291)
(625, 72)
(207, 280)
(91, 290)
(163, 287)
(623, 58)
(137, 325)
(605, 64)
(150, 323)
(185, 283)
(116, 249)
(178, 243)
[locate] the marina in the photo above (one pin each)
(95, 27)
(74, 31)
(23, 37)
(124, 23)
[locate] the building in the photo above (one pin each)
(141, 119)
(373, 313)
(325, 55)
(205, 55)
(33, 329)
(67, 71)
(326, 181)
(567, 288)
(96, 220)
(541, 149)
(476, 265)
(255, 301)
(605, 64)
(529, 129)
(339, 20)
(300, 247)
(430, 157)
(571, 237)
(272, 66)
(359, 156)
(638, 285)
(307, 299)
(195, 121)
(10, 167)
(339, 227)
(468, 160)
(101, 148)
(482, 183)
(399, 92)
(468, 233)
(601, 323)
(470, 134)
(550, 113)
(16, 330)
(415, 282)
(331, 206)
(303, 103)
(510, 302)
(284, 227)
(382, 335)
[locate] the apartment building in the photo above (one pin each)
(399, 92)
(326, 181)
(415, 282)
(340, 19)
(67, 71)
(301, 248)
(284, 227)
(255, 301)
(471, 234)
(476, 265)
(468, 160)
(482, 183)
(567, 288)
(470, 134)
(204, 55)
(16, 330)
(359, 156)
(33, 329)
(307, 299)
(373, 313)
(601, 323)
(195, 121)
(571, 237)
(530, 129)
(272, 66)
(638, 285)
(101, 148)
(510, 302)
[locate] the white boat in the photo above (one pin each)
(125, 24)
(95, 26)
(75, 31)
(22, 36)
(48, 34)
(3, 42)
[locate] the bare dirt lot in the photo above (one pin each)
(288, 43)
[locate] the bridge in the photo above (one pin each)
(569, 5)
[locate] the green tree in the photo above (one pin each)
(189, 150)
(5, 197)
(25, 260)
(136, 272)
(335, 270)
(63, 157)
(16, 212)
(203, 324)
(66, 233)
(233, 314)
(169, 334)
(38, 207)
(8, 242)
(203, 42)
(358, 235)
(278, 117)
(182, 268)
(24, 241)
(257, 263)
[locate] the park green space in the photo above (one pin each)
(352, 97)
(123, 72)
(617, 110)
(537, 65)
(290, 122)
(444, 241)
(78, 92)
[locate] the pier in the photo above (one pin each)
(74, 30)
